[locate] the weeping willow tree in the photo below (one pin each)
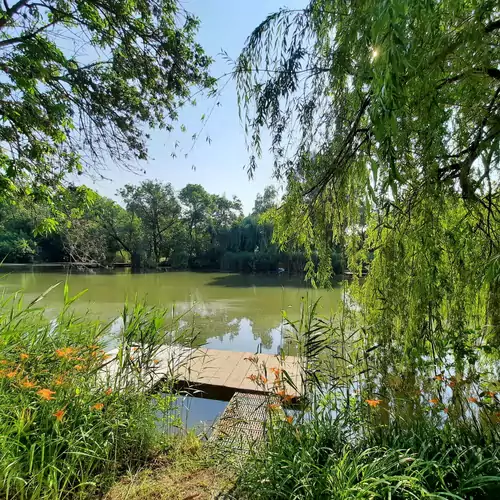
(385, 126)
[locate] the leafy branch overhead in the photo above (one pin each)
(378, 81)
(384, 118)
(365, 98)
(83, 81)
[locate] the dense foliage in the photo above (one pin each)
(363, 431)
(155, 227)
(68, 425)
(384, 118)
(80, 81)
(385, 124)
(345, 455)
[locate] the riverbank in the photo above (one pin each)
(67, 425)
(94, 266)
(72, 427)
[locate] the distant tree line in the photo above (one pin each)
(153, 226)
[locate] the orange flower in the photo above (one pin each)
(263, 379)
(472, 400)
(79, 368)
(59, 380)
(373, 402)
(276, 372)
(108, 391)
(106, 356)
(434, 401)
(252, 377)
(98, 406)
(11, 374)
(439, 377)
(65, 352)
(491, 394)
(3, 362)
(24, 356)
(287, 398)
(133, 349)
(45, 394)
(289, 419)
(445, 410)
(273, 406)
(281, 393)
(59, 414)
(27, 384)
(452, 383)
(156, 361)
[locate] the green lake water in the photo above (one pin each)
(229, 311)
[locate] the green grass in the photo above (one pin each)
(68, 429)
(345, 455)
(65, 429)
(185, 470)
(372, 427)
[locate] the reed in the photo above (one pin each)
(68, 424)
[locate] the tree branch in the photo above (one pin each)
(28, 36)
(475, 151)
(7, 16)
(494, 25)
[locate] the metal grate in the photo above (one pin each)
(243, 422)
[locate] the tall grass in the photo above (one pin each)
(69, 424)
(342, 455)
(371, 428)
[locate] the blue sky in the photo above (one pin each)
(225, 24)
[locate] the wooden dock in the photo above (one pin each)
(225, 372)
(235, 371)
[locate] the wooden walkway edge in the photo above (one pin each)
(235, 371)
(223, 370)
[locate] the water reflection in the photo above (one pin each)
(245, 335)
(199, 413)
(227, 311)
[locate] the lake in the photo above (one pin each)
(230, 311)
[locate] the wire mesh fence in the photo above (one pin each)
(243, 422)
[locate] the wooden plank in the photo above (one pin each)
(238, 373)
(226, 363)
(195, 367)
(224, 369)
(266, 363)
(232, 369)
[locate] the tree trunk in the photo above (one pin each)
(135, 259)
(494, 314)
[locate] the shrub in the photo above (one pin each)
(373, 427)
